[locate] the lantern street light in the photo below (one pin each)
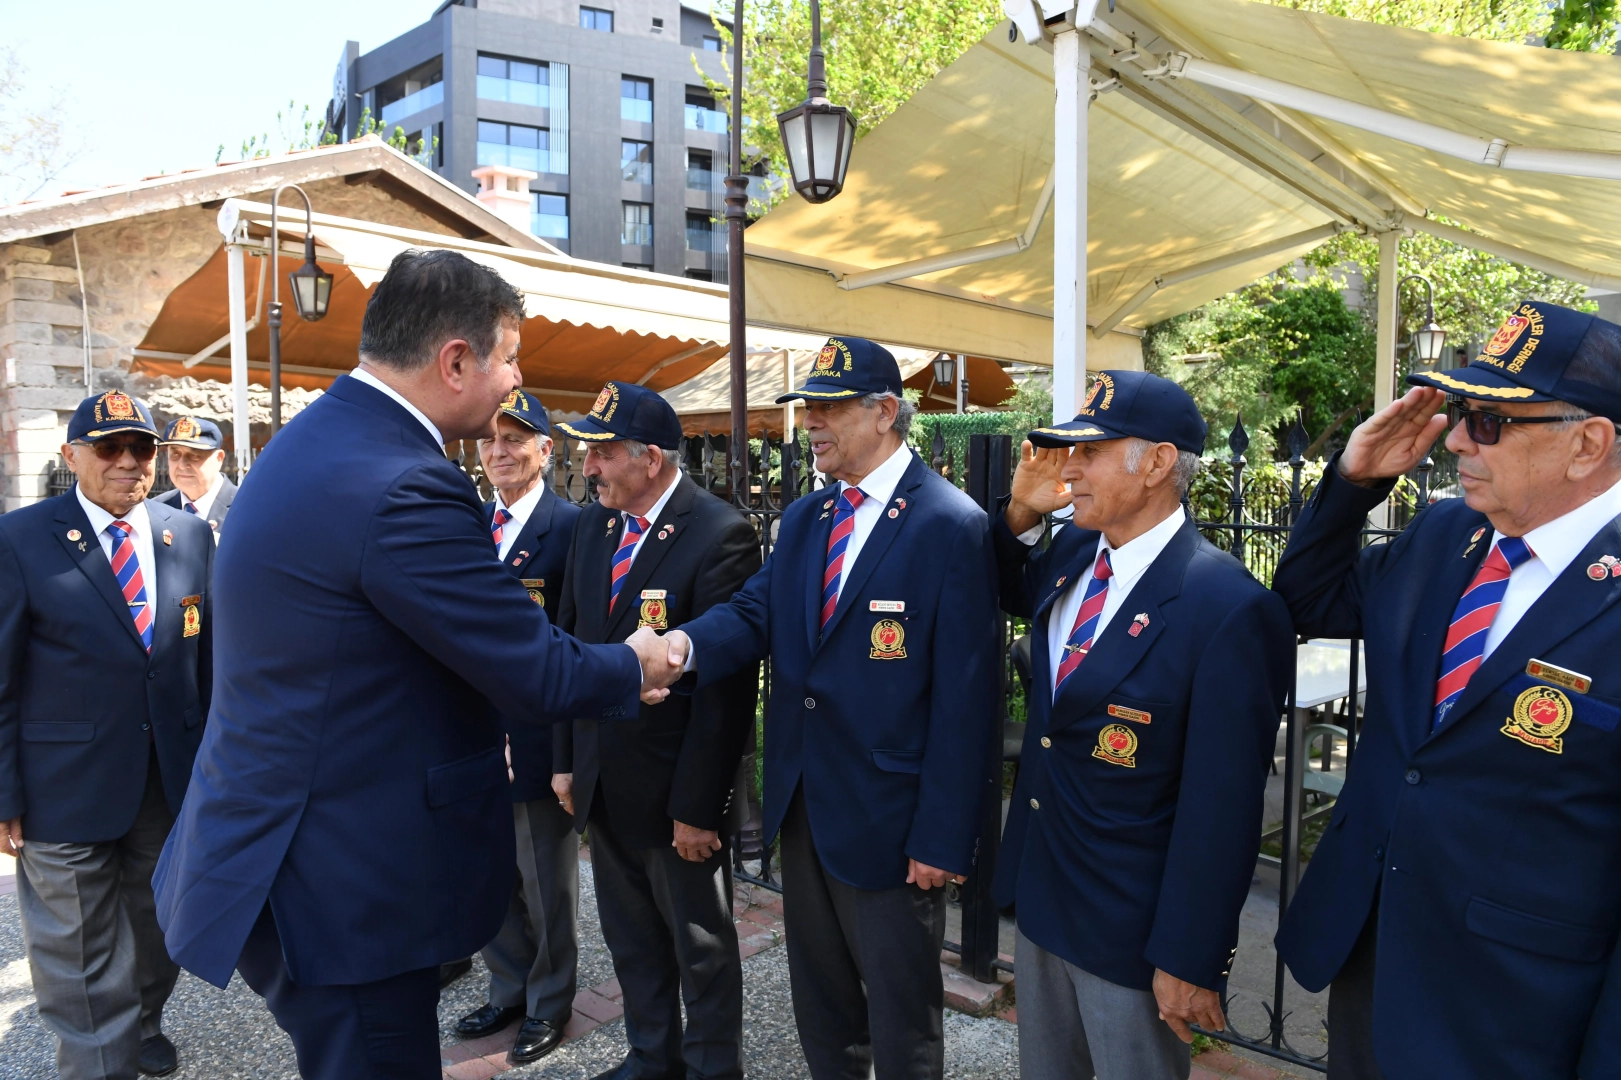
(816, 133)
(312, 292)
(945, 369)
(1429, 340)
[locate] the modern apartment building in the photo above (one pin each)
(602, 100)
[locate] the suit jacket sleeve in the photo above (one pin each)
(962, 705)
(205, 640)
(1239, 688)
(1325, 569)
(1018, 566)
(731, 636)
(13, 649)
(427, 567)
(563, 730)
(722, 711)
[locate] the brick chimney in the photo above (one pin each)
(505, 190)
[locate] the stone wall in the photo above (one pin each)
(130, 268)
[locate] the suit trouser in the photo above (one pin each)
(1350, 1009)
(863, 967)
(534, 961)
(383, 1030)
(101, 971)
(1074, 1025)
(668, 923)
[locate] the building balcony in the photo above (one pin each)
(710, 241)
(699, 118)
(535, 159)
(491, 88)
(636, 110)
(638, 234)
(549, 226)
(396, 111)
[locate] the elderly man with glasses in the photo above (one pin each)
(1465, 900)
(105, 653)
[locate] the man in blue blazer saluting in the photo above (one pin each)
(1160, 670)
(349, 822)
(878, 609)
(1466, 897)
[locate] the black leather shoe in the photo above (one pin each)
(449, 973)
(626, 1070)
(536, 1039)
(486, 1020)
(157, 1056)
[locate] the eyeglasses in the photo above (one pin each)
(1485, 428)
(113, 449)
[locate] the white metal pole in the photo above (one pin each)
(788, 388)
(1071, 79)
(962, 382)
(237, 303)
(1384, 360)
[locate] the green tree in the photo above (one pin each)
(301, 131)
(37, 144)
(1491, 20)
(1583, 26)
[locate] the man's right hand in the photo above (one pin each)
(658, 672)
(11, 837)
(563, 788)
(1038, 487)
(1395, 439)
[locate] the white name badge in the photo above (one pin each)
(654, 594)
(887, 605)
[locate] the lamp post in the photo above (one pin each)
(1429, 340)
(953, 372)
(816, 133)
(312, 292)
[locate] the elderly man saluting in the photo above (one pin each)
(1160, 668)
(1466, 897)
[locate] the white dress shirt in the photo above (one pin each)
(206, 503)
(1554, 546)
(652, 516)
(1128, 562)
(375, 383)
(878, 486)
(520, 512)
(140, 533)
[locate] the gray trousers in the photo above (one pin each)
(1350, 1009)
(101, 971)
(1074, 1025)
(863, 967)
(534, 961)
(668, 924)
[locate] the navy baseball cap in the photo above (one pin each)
(1539, 354)
(1131, 405)
(627, 411)
(193, 431)
(847, 368)
(528, 411)
(109, 414)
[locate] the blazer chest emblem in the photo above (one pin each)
(888, 640)
(533, 585)
(655, 612)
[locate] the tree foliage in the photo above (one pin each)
(36, 144)
(1584, 26)
(302, 131)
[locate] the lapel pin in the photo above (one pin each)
(901, 503)
(823, 517)
(828, 505)
(1609, 560)
(168, 538)
(894, 513)
(1598, 571)
(610, 531)
(84, 545)
(74, 534)
(1137, 624)
(1059, 584)
(1475, 539)
(666, 532)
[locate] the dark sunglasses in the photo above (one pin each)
(113, 449)
(1485, 428)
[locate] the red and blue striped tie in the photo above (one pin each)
(496, 530)
(1086, 619)
(844, 524)
(634, 527)
(127, 568)
(1472, 621)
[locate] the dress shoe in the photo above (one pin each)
(487, 1019)
(536, 1039)
(449, 973)
(626, 1070)
(157, 1056)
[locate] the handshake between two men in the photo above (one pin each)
(663, 660)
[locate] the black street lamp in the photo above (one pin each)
(816, 133)
(945, 369)
(1429, 340)
(312, 292)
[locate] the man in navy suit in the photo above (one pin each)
(1160, 671)
(878, 609)
(106, 621)
(1466, 897)
(534, 960)
(349, 822)
(196, 452)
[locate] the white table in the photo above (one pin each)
(1323, 671)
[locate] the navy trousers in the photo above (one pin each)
(384, 1030)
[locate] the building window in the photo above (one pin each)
(702, 114)
(711, 44)
(515, 145)
(636, 99)
(636, 161)
(549, 217)
(700, 275)
(637, 266)
(597, 19)
(636, 227)
(519, 81)
(701, 171)
(658, 26)
(702, 235)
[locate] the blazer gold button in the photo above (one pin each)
(1046, 743)
(1034, 805)
(810, 703)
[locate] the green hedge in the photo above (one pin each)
(955, 430)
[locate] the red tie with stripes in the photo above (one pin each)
(498, 526)
(1465, 646)
(1086, 619)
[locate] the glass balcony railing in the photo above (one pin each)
(519, 157)
(707, 239)
(636, 172)
(704, 180)
(639, 233)
(411, 104)
(550, 226)
(702, 119)
(636, 109)
(491, 88)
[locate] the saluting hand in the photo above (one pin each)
(1038, 487)
(1395, 439)
(1182, 1003)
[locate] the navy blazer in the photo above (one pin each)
(1496, 863)
(368, 645)
(81, 700)
(537, 558)
(217, 510)
(1123, 868)
(889, 734)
